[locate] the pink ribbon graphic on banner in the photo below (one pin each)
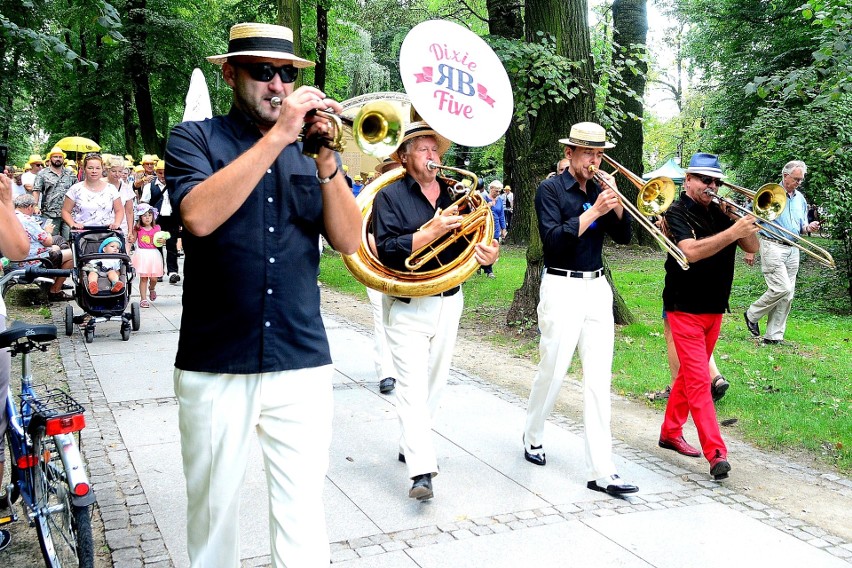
(425, 77)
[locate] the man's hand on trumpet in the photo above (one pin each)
(298, 110)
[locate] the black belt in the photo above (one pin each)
(574, 273)
(445, 294)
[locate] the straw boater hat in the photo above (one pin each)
(56, 150)
(261, 40)
(587, 135)
(705, 165)
(420, 128)
(387, 165)
(149, 159)
(34, 159)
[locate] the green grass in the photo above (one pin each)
(793, 396)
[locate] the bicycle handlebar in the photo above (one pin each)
(30, 273)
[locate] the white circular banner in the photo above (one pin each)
(456, 83)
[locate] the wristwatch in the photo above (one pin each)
(329, 178)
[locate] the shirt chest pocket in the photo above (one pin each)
(304, 199)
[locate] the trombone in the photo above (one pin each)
(653, 198)
(768, 203)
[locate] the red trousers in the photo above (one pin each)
(694, 337)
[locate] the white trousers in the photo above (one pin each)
(780, 265)
(421, 335)
(381, 352)
(291, 412)
(575, 313)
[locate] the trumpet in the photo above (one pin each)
(767, 204)
(654, 198)
(377, 128)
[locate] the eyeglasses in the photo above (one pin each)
(795, 179)
(708, 180)
(265, 72)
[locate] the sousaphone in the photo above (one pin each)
(459, 87)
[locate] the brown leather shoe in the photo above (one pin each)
(680, 446)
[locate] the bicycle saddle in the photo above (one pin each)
(35, 333)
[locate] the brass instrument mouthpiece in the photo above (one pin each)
(275, 101)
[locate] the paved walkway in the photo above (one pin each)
(491, 507)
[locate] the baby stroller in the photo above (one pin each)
(105, 305)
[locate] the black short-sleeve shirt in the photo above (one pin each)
(559, 202)
(706, 286)
(250, 298)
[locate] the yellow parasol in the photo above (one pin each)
(78, 144)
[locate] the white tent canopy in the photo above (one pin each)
(670, 170)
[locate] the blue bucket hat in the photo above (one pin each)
(107, 241)
(705, 165)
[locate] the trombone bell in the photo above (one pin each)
(655, 196)
(769, 201)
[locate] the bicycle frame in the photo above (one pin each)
(46, 466)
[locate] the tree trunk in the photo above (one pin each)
(322, 45)
(137, 63)
(131, 138)
(566, 21)
(504, 20)
(630, 29)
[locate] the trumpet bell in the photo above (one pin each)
(378, 129)
(655, 196)
(769, 201)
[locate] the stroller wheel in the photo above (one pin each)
(69, 319)
(90, 334)
(125, 332)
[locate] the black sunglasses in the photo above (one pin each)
(707, 180)
(265, 72)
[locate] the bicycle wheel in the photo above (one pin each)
(64, 530)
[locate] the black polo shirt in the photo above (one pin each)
(706, 286)
(250, 295)
(399, 210)
(559, 202)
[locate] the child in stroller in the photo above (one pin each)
(103, 277)
(105, 267)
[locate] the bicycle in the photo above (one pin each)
(43, 434)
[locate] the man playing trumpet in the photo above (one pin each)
(253, 355)
(421, 332)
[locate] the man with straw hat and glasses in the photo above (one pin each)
(252, 353)
(421, 332)
(52, 184)
(575, 307)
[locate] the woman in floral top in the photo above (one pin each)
(93, 201)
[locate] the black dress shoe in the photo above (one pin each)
(387, 385)
(772, 341)
(421, 489)
(751, 325)
(535, 456)
(612, 485)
